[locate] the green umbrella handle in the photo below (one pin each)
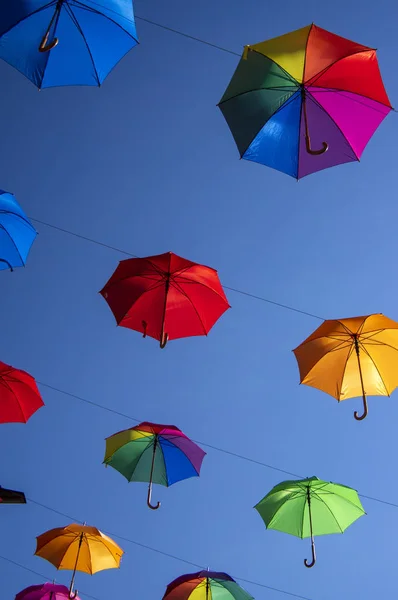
(311, 564)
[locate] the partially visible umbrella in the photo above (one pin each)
(309, 507)
(66, 42)
(17, 234)
(78, 548)
(165, 297)
(305, 101)
(353, 357)
(11, 496)
(19, 395)
(153, 453)
(205, 585)
(44, 591)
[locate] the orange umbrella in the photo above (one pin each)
(353, 357)
(78, 548)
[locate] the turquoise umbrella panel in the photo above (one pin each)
(90, 39)
(134, 461)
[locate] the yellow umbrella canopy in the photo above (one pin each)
(78, 548)
(353, 357)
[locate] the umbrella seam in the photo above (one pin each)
(80, 30)
(98, 12)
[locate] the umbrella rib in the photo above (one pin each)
(175, 446)
(344, 92)
(77, 25)
(51, 3)
(13, 243)
(3, 381)
(139, 297)
(177, 287)
(318, 75)
(98, 12)
(331, 512)
(313, 99)
(376, 367)
(292, 90)
(194, 282)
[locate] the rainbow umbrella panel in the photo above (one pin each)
(155, 454)
(305, 101)
(205, 585)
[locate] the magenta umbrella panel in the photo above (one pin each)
(44, 591)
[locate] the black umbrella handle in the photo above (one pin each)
(311, 564)
(306, 563)
(148, 501)
(7, 263)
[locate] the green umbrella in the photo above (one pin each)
(309, 507)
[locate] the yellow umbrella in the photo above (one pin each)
(78, 548)
(352, 357)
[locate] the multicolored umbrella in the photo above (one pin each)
(45, 591)
(78, 548)
(17, 234)
(205, 585)
(19, 395)
(308, 507)
(165, 297)
(153, 453)
(305, 101)
(66, 42)
(353, 357)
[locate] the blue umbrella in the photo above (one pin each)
(66, 42)
(16, 233)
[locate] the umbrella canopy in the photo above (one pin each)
(305, 101)
(78, 548)
(205, 585)
(351, 357)
(165, 297)
(19, 395)
(11, 496)
(154, 453)
(308, 507)
(45, 591)
(17, 234)
(66, 42)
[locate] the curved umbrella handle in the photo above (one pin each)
(73, 595)
(322, 150)
(311, 564)
(7, 263)
(148, 501)
(164, 339)
(44, 46)
(365, 410)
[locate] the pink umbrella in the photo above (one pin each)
(45, 591)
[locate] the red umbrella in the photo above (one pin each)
(165, 297)
(19, 396)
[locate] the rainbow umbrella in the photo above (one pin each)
(155, 454)
(205, 585)
(305, 101)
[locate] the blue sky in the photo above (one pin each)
(148, 164)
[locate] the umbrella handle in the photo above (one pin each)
(322, 150)
(164, 339)
(73, 595)
(144, 324)
(7, 263)
(44, 46)
(311, 564)
(365, 410)
(148, 501)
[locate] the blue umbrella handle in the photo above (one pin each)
(44, 46)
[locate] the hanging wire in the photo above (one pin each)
(167, 554)
(115, 249)
(206, 445)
